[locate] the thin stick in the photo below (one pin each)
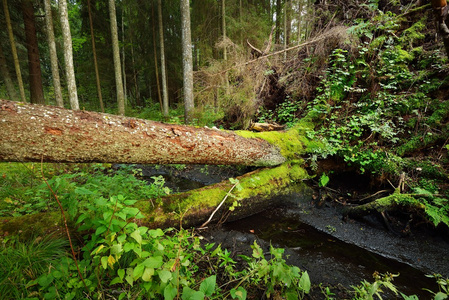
(219, 205)
(65, 224)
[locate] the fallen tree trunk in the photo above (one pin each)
(53, 134)
(259, 190)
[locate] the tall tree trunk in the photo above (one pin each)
(299, 21)
(34, 64)
(225, 52)
(187, 61)
(14, 51)
(7, 77)
(164, 76)
(94, 52)
(116, 55)
(35, 132)
(158, 85)
(277, 36)
(68, 55)
(123, 58)
(53, 54)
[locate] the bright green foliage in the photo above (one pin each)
(29, 194)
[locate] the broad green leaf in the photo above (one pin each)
(100, 201)
(100, 230)
(304, 282)
(440, 296)
(136, 235)
(154, 233)
(104, 262)
(128, 247)
(147, 274)
(138, 271)
(239, 293)
(45, 280)
(153, 262)
(121, 238)
(121, 273)
(165, 275)
(170, 292)
(116, 249)
(130, 280)
(208, 285)
(129, 202)
(81, 218)
(116, 280)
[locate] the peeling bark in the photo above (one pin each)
(35, 132)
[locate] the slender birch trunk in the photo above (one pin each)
(187, 61)
(116, 55)
(68, 55)
(163, 71)
(53, 54)
(155, 61)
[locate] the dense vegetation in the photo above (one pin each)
(372, 79)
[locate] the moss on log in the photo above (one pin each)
(389, 203)
(260, 189)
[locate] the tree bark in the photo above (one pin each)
(158, 85)
(187, 62)
(116, 55)
(53, 53)
(34, 64)
(68, 55)
(35, 132)
(163, 72)
(7, 77)
(14, 51)
(94, 52)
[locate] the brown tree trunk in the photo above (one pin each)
(165, 101)
(36, 88)
(7, 77)
(35, 132)
(94, 52)
(14, 51)
(155, 60)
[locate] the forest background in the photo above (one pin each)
(371, 75)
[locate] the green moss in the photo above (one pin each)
(292, 143)
(31, 225)
(256, 187)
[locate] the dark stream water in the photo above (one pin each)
(327, 259)
(336, 253)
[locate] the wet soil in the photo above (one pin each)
(336, 252)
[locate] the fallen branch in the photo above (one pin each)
(219, 205)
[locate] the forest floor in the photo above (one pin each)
(337, 252)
